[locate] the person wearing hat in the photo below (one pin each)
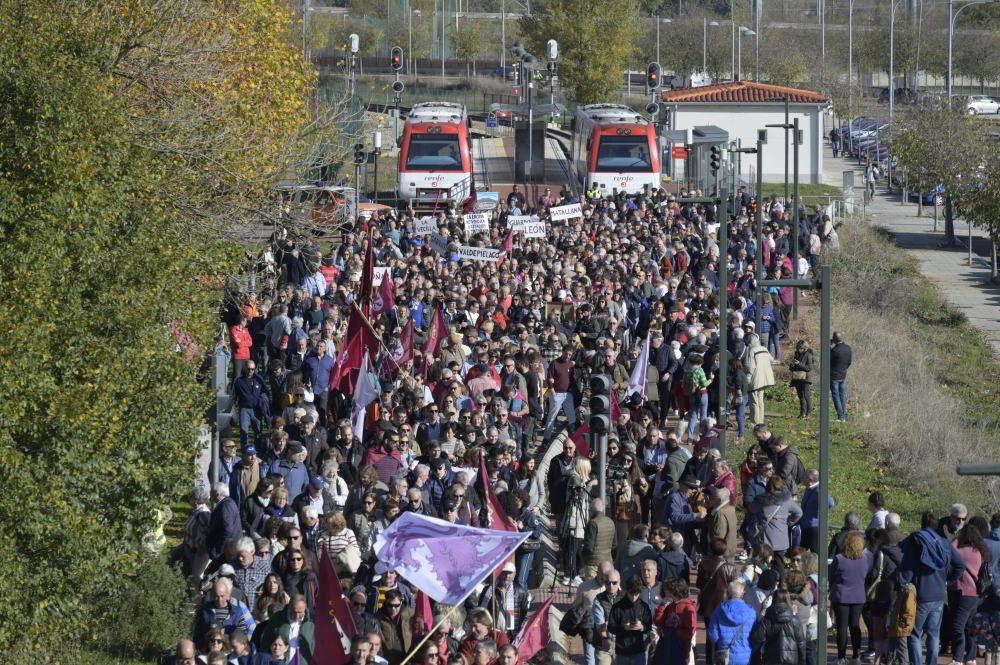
(246, 475)
(315, 495)
(679, 515)
(506, 601)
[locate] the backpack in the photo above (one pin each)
(800, 471)
(984, 580)
(575, 621)
(688, 383)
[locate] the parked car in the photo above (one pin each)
(503, 73)
(981, 104)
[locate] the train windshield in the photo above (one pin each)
(434, 152)
(624, 154)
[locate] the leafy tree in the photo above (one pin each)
(467, 40)
(138, 141)
(939, 147)
(596, 40)
(981, 199)
(978, 56)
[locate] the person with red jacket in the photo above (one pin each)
(676, 620)
(241, 342)
(481, 628)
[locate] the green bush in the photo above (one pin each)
(146, 613)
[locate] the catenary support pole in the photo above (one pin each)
(795, 214)
(825, 333)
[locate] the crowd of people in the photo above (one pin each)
(682, 538)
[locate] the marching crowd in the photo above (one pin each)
(475, 370)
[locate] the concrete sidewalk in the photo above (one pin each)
(966, 287)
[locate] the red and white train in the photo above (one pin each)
(614, 147)
(435, 156)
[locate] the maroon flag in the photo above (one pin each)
(365, 291)
(360, 340)
(436, 333)
(507, 246)
(423, 616)
(384, 299)
(616, 409)
(334, 619)
(496, 517)
(401, 348)
(534, 633)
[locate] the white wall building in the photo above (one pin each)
(741, 108)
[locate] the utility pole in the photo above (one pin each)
(759, 219)
(797, 138)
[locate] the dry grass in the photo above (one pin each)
(901, 393)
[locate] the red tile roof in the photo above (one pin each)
(745, 92)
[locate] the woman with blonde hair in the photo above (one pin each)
(574, 521)
(847, 591)
(341, 545)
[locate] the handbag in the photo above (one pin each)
(721, 654)
(799, 375)
(757, 529)
(872, 592)
(531, 545)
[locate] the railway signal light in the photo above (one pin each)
(652, 108)
(397, 87)
(359, 153)
(396, 58)
(715, 159)
(600, 403)
(355, 42)
(653, 76)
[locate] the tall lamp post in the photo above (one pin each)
(759, 223)
(658, 21)
(409, 52)
(892, 60)
(952, 15)
(744, 32)
(704, 43)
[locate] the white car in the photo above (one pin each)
(980, 104)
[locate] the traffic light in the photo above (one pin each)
(359, 153)
(396, 58)
(653, 76)
(600, 404)
(715, 159)
(397, 87)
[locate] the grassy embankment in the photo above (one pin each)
(924, 392)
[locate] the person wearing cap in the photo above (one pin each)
(506, 601)
(395, 620)
(246, 474)
(315, 495)
(678, 513)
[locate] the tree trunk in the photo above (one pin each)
(949, 221)
(993, 259)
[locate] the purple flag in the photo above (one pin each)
(444, 560)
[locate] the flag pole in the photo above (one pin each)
(376, 336)
(415, 650)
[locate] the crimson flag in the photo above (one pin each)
(579, 437)
(436, 333)
(360, 340)
(497, 518)
(401, 348)
(534, 633)
(423, 616)
(616, 409)
(508, 243)
(334, 619)
(384, 299)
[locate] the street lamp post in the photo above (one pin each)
(850, 57)
(744, 31)
(952, 15)
(759, 222)
(658, 21)
(409, 52)
(704, 44)
(732, 52)
(892, 61)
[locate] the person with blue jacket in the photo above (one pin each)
(810, 511)
(731, 625)
(929, 563)
(680, 517)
